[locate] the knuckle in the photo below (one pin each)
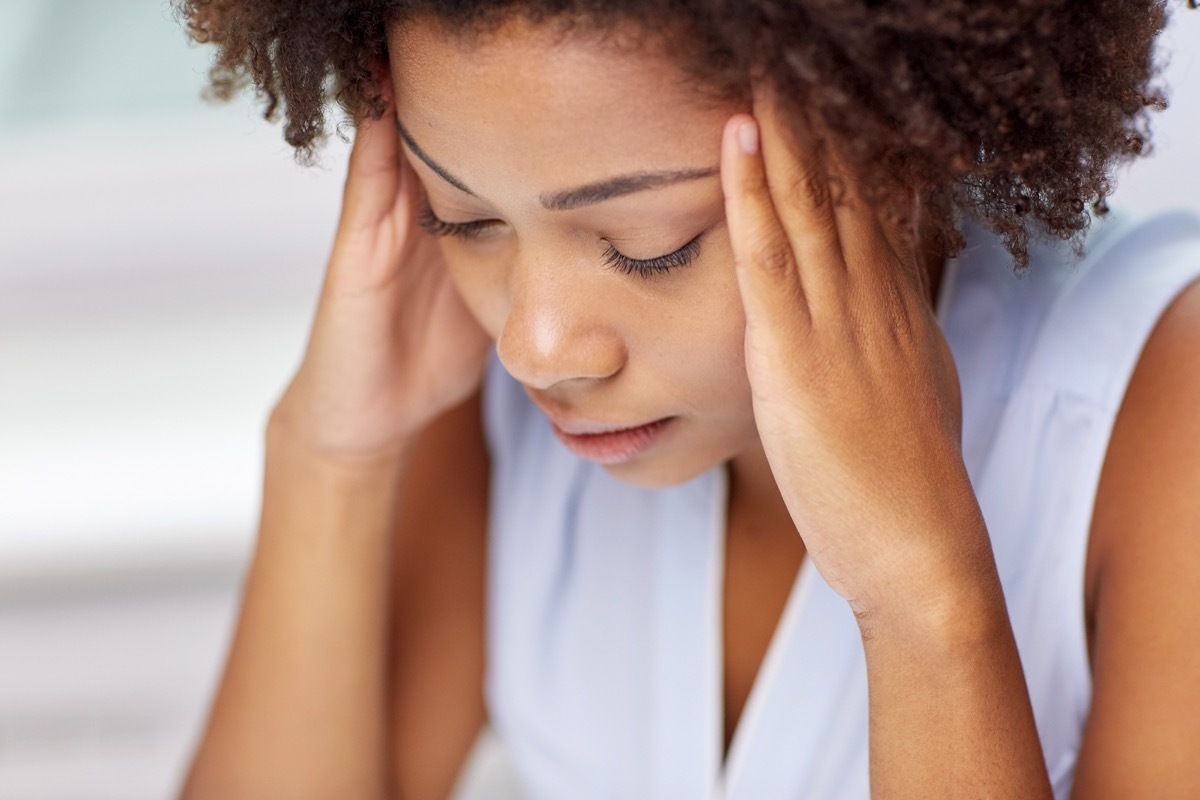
(771, 256)
(809, 189)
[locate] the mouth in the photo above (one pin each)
(607, 443)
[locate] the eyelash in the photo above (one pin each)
(646, 268)
(462, 230)
(652, 266)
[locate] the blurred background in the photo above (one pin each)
(159, 262)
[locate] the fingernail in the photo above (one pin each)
(747, 136)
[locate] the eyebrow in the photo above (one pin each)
(433, 165)
(583, 195)
(622, 185)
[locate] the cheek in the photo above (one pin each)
(709, 348)
(482, 288)
(728, 378)
(720, 313)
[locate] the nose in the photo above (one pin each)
(557, 330)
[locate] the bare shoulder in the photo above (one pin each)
(438, 644)
(1143, 578)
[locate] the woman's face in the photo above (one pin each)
(553, 167)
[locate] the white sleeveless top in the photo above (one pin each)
(604, 600)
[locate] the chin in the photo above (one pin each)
(663, 473)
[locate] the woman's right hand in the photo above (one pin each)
(392, 345)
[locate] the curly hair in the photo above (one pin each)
(1015, 112)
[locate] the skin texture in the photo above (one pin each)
(353, 607)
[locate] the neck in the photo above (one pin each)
(752, 488)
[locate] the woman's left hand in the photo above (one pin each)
(855, 393)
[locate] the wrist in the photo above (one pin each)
(948, 606)
(288, 436)
(298, 476)
(310, 496)
(948, 589)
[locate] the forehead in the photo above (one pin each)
(559, 109)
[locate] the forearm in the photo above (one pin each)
(949, 710)
(301, 710)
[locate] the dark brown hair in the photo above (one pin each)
(1015, 112)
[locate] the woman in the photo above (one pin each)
(779, 482)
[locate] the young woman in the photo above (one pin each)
(672, 405)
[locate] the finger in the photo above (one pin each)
(803, 197)
(837, 228)
(883, 258)
(768, 277)
(876, 236)
(373, 174)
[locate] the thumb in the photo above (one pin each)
(373, 175)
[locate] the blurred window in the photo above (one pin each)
(74, 60)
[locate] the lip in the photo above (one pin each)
(607, 443)
(587, 427)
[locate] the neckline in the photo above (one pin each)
(728, 764)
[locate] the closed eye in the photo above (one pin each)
(653, 266)
(430, 223)
(646, 268)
